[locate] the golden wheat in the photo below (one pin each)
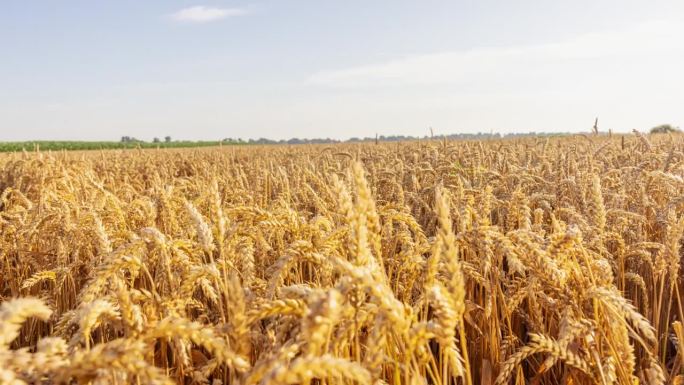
(546, 261)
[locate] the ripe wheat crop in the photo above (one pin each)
(542, 261)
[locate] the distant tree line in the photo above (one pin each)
(389, 138)
(379, 138)
(131, 139)
(663, 128)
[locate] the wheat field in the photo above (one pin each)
(540, 261)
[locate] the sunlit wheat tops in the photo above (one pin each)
(529, 261)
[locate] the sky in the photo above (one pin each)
(207, 70)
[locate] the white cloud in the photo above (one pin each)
(203, 14)
(636, 54)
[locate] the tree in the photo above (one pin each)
(129, 139)
(167, 139)
(664, 129)
(156, 140)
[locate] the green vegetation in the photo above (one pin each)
(49, 145)
(664, 129)
(128, 142)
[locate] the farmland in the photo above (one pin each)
(535, 260)
(55, 145)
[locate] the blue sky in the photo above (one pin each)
(97, 70)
